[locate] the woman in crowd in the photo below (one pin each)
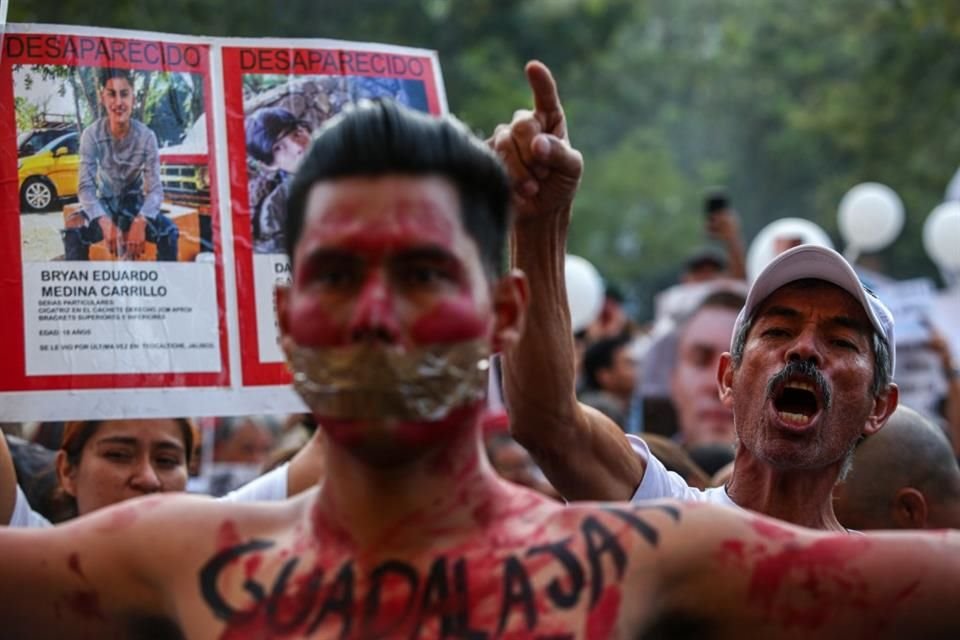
(102, 462)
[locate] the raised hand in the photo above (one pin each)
(544, 169)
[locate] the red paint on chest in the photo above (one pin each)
(772, 531)
(821, 572)
(251, 564)
(73, 563)
(603, 617)
(227, 535)
(85, 604)
(734, 549)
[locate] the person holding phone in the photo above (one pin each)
(723, 224)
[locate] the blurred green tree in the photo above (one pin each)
(789, 104)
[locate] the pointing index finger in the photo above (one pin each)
(546, 100)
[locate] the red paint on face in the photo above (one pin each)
(384, 255)
(450, 321)
(603, 617)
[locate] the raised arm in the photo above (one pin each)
(731, 571)
(583, 453)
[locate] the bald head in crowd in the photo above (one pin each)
(904, 477)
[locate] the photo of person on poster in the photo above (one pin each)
(277, 139)
(119, 188)
(281, 112)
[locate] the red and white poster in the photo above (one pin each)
(275, 97)
(131, 289)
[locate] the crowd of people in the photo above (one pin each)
(405, 504)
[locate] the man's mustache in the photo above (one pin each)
(801, 369)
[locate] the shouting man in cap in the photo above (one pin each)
(396, 227)
(808, 373)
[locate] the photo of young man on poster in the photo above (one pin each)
(281, 112)
(119, 188)
(276, 139)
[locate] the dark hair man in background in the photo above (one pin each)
(119, 185)
(610, 375)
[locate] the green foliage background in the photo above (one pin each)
(787, 103)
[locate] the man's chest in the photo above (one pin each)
(553, 587)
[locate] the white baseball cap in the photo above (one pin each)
(819, 263)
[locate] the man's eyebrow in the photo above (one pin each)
(426, 252)
(847, 322)
(790, 313)
(326, 253)
(780, 312)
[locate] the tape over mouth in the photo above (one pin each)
(369, 381)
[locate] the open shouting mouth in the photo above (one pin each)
(799, 393)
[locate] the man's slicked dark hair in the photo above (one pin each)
(379, 138)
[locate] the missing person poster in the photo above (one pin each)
(275, 98)
(108, 222)
(130, 290)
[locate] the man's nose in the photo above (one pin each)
(805, 347)
(145, 477)
(374, 316)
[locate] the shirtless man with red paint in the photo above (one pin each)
(395, 232)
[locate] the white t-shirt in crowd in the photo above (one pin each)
(659, 483)
(269, 486)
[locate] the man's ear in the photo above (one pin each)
(511, 294)
(725, 372)
(66, 473)
(910, 509)
(884, 404)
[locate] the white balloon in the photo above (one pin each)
(584, 291)
(786, 232)
(870, 216)
(941, 235)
